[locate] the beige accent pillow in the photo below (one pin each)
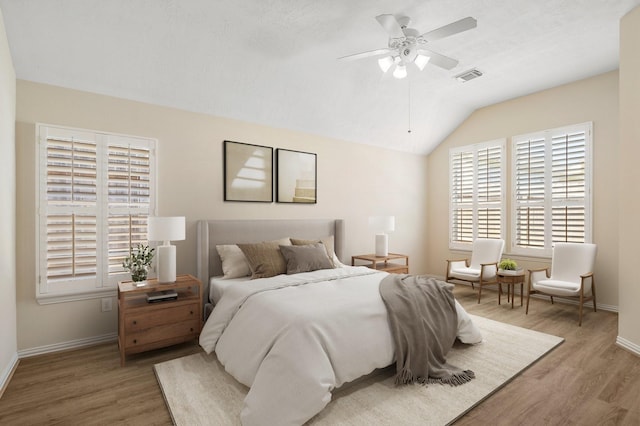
(329, 245)
(306, 258)
(265, 259)
(234, 262)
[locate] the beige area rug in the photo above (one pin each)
(199, 392)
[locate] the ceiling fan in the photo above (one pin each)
(407, 45)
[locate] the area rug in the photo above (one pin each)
(199, 392)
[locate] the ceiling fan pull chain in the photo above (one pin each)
(409, 96)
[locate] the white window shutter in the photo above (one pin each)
(84, 183)
(552, 196)
(477, 184)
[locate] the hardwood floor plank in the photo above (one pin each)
(587, 380)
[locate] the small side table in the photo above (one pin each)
(381, 263)
(510, 278)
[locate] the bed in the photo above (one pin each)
(294, 338)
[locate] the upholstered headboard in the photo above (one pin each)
(215, 232)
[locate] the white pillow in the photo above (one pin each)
(234, 262)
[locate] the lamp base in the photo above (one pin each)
(382, 245)
(166, 264)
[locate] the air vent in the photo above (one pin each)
(469, 75)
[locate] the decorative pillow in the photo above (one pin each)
(234, 262)
(329, 244)
(265, 259)
(306, 258)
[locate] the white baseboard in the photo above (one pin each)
(628, 345)
(8, 373)
(63, 346)
(604, 307)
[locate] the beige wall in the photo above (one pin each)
(8, 340)
(629, 176)
(594, 99)
(354, 182)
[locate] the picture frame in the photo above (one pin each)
(248, 172)
(296, 177)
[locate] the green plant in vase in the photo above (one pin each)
(139, 262)
(508, 265)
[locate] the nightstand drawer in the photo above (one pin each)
(168, 315)
(184, 329)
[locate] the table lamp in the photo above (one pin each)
(166, 229)
(381, 225)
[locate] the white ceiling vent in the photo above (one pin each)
(469, 75)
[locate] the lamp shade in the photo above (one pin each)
(382, 223)
(166, 228)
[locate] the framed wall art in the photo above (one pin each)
(296, 177)
(248, 172)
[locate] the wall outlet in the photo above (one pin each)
(106, 304)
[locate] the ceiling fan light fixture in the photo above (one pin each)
(385, 63)
(400, 72)
(421, 61)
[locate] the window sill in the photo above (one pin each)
(48, 299)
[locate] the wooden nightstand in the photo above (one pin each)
(143, 326)
(381, 263)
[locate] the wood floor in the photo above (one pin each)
(585, 381)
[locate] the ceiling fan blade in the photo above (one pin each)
(391, 26)
(450, 29)
(439, 60)
(361, 55)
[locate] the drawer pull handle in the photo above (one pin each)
(135, 341)
(135, 322)
(191, 329)
(191, 312)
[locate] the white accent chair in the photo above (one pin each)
(483, 269)
(571, 275)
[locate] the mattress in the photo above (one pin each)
(217, 286)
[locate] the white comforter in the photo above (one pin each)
(293, 339)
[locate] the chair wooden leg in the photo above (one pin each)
(526, 312)
(581, 302)
(593, 293)
(479, 291)
(551, 299)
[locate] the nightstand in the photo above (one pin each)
(143, 326)
(382, 263)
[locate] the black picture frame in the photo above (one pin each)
(248, 172)
(296, 177)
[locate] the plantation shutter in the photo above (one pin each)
(462, 197)
(70, 202)
(129, 193)
(552, 188)
(476, 193)
(95, 194)
(568, 187)
(490, 192)
(530, 192)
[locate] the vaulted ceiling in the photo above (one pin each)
(274, 62)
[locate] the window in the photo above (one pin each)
(477, 187)
(551, 189)
(95, 192)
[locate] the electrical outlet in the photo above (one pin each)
(106, 304)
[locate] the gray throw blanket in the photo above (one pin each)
(424, 324)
